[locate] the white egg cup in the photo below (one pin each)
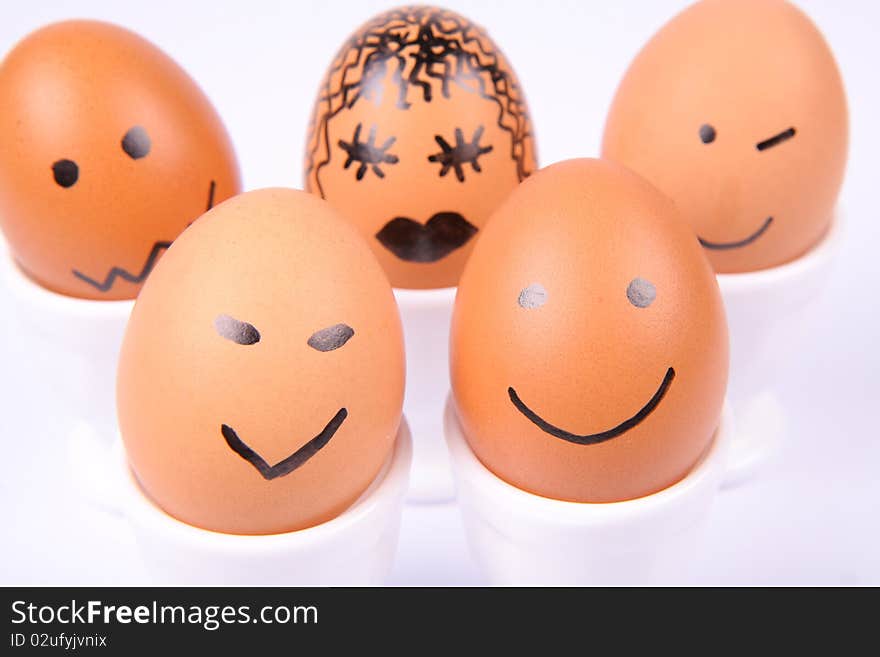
(356, 548)
(426, 316)
(519, 538)
(72, 345)
(766, 310)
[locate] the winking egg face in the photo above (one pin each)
(261, 376)
(736, 110)
(108, 150)
(588, 345)
(419, 131)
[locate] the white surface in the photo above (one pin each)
(814, 515)
(764, 308)
(74, 343)
(426, 315)
(522, 539)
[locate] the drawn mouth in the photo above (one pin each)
(292, 462)
(414, 242)
(601, 437)
(721, 246)
(155, 252)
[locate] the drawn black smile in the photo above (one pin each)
(720, 246)
(595, 438)
(441, 235)
(292, 462)
(155, 252)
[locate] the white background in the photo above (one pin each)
(813, 518)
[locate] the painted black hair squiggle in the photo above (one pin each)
(428, 50)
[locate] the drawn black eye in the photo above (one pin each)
(235, 330)
(533, 296)
(136, 143)
(462, 153)
(641, 293)
(331, 338)
(66, 172)
(367, 153)
(707, 133)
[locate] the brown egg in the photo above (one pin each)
(736, 110)
(419, 131)
(589, 345)
(108, 150)
(261, 375)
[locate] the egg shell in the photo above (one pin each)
(758, 82)
(419, 131)
(138, 146)
(269, 316)
(584, 293)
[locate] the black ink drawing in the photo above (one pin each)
(367, 153)
(119, 272)
(464, 152)
(292, 462)
(595, 438)
(427, 50)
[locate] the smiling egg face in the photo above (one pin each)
(261, 376)
(736, 110)
(419, 131)
(108, 150)
(589, 345)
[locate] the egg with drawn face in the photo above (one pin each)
(261, 375)
(736, 110)
(419, 131)
(108, 150)
(589, 345)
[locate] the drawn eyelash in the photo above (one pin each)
(464, 152)
(367, 153)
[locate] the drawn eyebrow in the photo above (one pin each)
(233, 329)
(331, 338)
(785, 135)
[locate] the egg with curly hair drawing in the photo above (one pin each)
(419, 131)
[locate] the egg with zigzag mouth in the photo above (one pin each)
(108, 151)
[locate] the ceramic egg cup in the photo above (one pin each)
(765, 315)
(356, 548)
(426, 316)
(73, 344)
(519, 538)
